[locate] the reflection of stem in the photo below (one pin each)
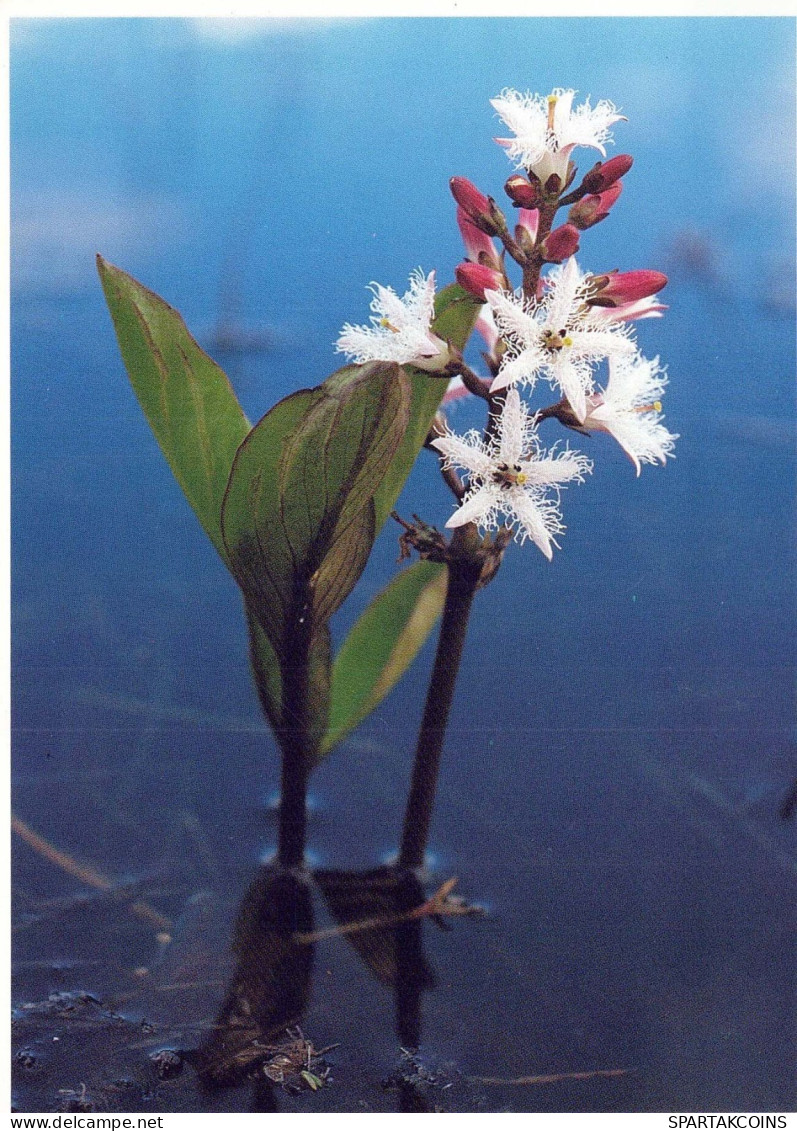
(464, 571)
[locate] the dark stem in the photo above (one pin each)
(295, 742)
(292, 812)
(464, 571)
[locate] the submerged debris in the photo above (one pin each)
(293, 1063)
(413, 1072)
(168, 1063)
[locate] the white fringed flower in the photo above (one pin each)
(629, 410)
(510, 475)
(547, 129)
(559, 338)
(400, 328)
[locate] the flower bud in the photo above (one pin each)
(480, 209)
(618, 288)
(591, 209)
(606, 173)
(526, 229)
(523, 193)
(478, 245)
(477, 278)
(560, 244)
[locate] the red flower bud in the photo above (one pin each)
(481, 210)
(591, 210)
(560, 244)
(476, 278)
(468, 197)
(522, 193)
(606, 173)
(618, 288)
(478, 245)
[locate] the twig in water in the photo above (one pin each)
(554, 1079)
(439, 904)
(83, 873)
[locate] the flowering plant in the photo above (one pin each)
(293, 505)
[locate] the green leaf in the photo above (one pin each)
(456, 312)
(186, 397)
(382, 645)
(256, 542)
(265, 671)
(297, 517)
(298, 525)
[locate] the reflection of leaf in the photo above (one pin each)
(186, 397)
(270, 988)
(298, 526)
(392, 953)
(382, 645)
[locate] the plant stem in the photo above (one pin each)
(292, 811)
(296, 740)
(464, 571)
(533, 266)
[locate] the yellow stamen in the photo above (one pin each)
(383, 322)
(655, 407)
(521, 478)
(552, 100)
(568, 341)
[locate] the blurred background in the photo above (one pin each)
(623, 736)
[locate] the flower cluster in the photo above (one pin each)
(562, 327)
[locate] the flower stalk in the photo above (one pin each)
(465, 566)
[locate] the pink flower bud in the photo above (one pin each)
(477, 278)
(474, 203)
(522, 193)
(618, 288)
(592, 209)
(481, 210)
(477, 243)
(560, 244)
(606, 173)
(529, 220)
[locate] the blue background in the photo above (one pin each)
(624, 728)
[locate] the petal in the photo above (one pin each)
(525, 368)
(561, 114)
(563, 298)
(554, 471)
(513, 428)
(459, 452)
(387, 304)
(594, 344)
(532, 518)
(574, 381)
(476, 508)
(512, 317)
